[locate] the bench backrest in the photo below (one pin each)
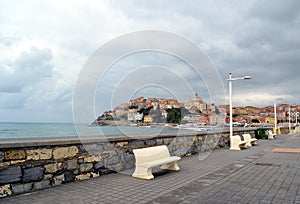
(236, 138)
(247, 137)
(151, 154)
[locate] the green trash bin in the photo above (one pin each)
(262, 133)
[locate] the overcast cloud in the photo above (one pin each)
(44, 45)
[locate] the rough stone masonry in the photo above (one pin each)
(34, 166)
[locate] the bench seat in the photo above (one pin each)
(161, 162)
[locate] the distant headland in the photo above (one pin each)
(143, 111)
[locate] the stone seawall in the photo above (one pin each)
(31, 164)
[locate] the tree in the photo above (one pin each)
(176, 114)
(171, 117)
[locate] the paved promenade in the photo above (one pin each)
(255, 175)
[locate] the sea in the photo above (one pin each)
(39, 130)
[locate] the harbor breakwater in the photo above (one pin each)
(30, 164)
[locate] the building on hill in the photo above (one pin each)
(240, 111)
(215, 119)
(223, 108)
(198, 103)
(251, 110)
(120, 112)
(133, 115)
(192, 118)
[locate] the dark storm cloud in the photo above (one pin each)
(28, 68)
(264, 44)
(284, 12)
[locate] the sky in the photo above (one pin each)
(45, 45)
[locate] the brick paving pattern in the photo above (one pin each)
(255, 175)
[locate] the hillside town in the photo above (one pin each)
(141, 111)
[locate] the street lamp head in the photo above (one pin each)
(237, 78)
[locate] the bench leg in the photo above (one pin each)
(248, 144)
(253, 143)
(171, 166)
(235, 147)
(270, 137)
(143, 173)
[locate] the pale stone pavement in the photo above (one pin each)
(254, 175)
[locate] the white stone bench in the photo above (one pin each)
(271, 136)
(147, 158)
(249, 140)
(236, 143)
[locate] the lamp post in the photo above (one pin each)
(275, 113)
(230, 79)
(289, 119)
(275, 118)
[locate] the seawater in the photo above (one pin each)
(39, 130)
